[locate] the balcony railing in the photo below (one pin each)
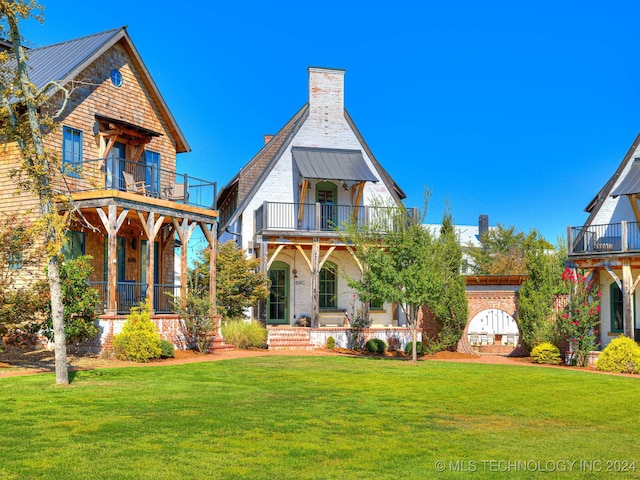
(323, 217)
(138, 177)
(131, 294)
(602, 239)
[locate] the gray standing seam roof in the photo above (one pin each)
(56, 62)
(332, 164)
(631, 182)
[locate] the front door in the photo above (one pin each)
(278, 302)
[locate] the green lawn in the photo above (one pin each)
(320, 417)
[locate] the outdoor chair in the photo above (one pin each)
(133, 185)
(176, 192)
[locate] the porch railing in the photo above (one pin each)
(131, 294)
(146, 179)
(602, 239)
(323, 217)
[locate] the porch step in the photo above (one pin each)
(219, 345)
(280, 338)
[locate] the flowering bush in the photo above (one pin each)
(581, 316)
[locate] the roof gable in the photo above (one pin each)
(607, 190)
(62, 62)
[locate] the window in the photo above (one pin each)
(71, 151)
(328, 286)
(152, 171)
(15, 249)
(617, 315)
(74, 246)
(376, 304)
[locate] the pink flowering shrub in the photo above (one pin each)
(581, 317)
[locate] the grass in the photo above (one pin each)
(319, 417)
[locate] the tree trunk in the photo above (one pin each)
(40, 177)
(57, 312)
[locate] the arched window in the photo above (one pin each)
(328, 285)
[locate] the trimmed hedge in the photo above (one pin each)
(419, 349)
(375, 345)
(546, 353)
(622, 355)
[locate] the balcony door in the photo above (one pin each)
(278, 301)
(115, 166)
(326, 196)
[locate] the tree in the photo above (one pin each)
(239, 282)
(80, 301)
(24, 120)
(501, 253)
(536, 316)
(450, 310)
(401, 263)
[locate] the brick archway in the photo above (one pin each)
(490, 292)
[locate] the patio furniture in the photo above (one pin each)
(133, 185)
(176, 192)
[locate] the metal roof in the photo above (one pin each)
(57, 62)
(631, 182)
(332, 164)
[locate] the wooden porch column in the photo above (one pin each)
(151, 228)
(112, 222)
(315, 281)
(627, 300)
(184, 229)
(211, 235)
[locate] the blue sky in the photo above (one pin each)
(518, 110)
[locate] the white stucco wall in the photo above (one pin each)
(615, 210)
(605, 305)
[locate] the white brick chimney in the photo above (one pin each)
(326, 93)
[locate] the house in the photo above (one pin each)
(288, 203)
(468, 236)
(118, 143)
(608, 245)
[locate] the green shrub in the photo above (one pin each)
(546, 353)
(244, 334)
(375, 345)
(166, 349)
(419, 349)
(621, 355)
(139, 340)
(331, 343)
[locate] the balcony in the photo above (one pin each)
(616, 238)
(318, 217)
(147, 180)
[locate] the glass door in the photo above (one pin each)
(326, 196)
(278, 302)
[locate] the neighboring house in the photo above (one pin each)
(468, 236)
(118, 143)
(608, 245)
(285, 205)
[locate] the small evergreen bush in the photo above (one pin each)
(546, 353)
(419, 349)
(166, 349)
(375, 345)
(139, 340)
(245, 334)
(331, 343)
(622, 355)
